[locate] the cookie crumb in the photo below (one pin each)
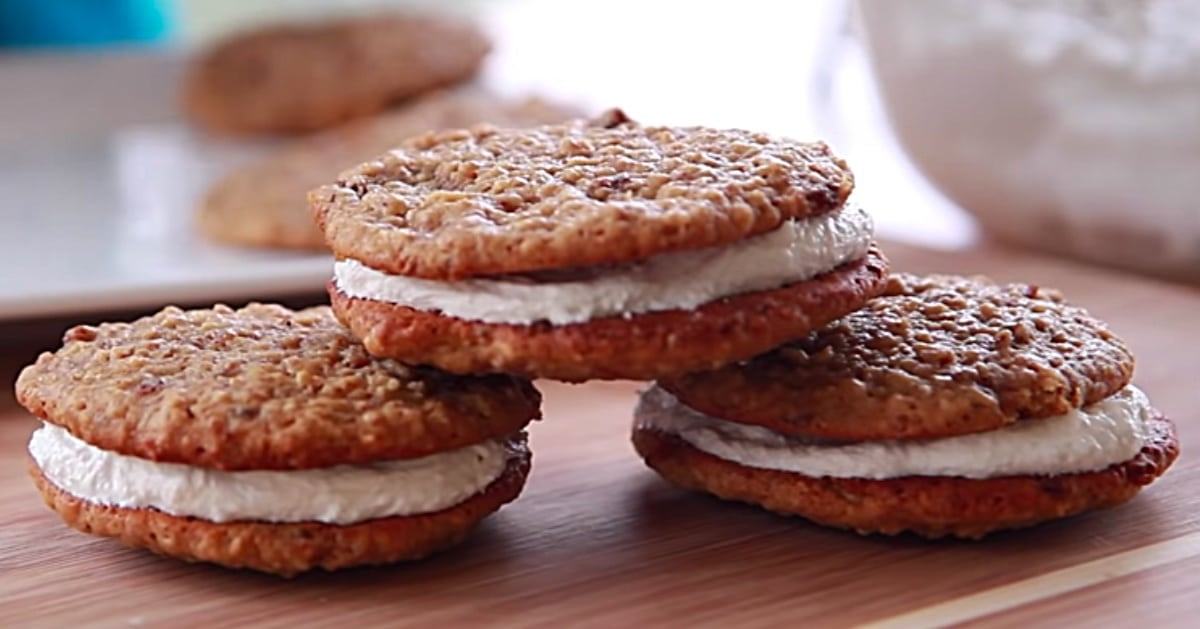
(611, 118)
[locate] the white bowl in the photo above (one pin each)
(1069, 126)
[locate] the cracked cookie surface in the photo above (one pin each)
(261, 387)
(490, 202)
(931, 357)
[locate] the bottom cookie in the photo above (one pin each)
(929, 506)
(287, 549)
(639, 347)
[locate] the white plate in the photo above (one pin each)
(103, 223)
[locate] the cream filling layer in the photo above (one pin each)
(1111, 431)
(342, 494)
(798, 250)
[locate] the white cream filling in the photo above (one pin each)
(342, 494)
(1089, 439)
(798, 250)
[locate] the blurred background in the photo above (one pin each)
(1066, 127)
(80, 23)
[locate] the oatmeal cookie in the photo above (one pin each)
(289, 548)
(931, 357)
(930, 506)
(304, 77)
(599, 249)
(638, 347)
(268, 439)
(489, 201)
(261, 388)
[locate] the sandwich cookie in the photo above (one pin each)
(947, 406)
(299, 78)
(262, 204)
(594, 250)
(268, 439)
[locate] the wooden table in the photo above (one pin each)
(597, 540)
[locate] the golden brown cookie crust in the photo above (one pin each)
(263, 204)
(931, 357)
(287, 549)
(926, 505)
(304, 77)
(489, 201)
(262, 387)
(641, 347)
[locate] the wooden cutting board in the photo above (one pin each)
(598, 540)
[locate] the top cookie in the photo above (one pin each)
(260, 388)
(263, 203)
(300, 78)
(488, 201)
(932, 357)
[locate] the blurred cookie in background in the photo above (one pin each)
(299, 78)
(263, 204)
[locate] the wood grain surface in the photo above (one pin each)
(597, 540)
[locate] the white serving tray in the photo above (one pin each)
(104, 222)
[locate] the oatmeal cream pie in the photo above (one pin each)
(594, 250)
(298, 78)
(268, 439)
(946, 406)
(262, 204)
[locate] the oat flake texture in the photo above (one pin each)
(489, 201)
(931, 357)
(262, 387)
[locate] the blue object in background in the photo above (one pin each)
(83, 23)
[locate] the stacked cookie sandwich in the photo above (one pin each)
(268, 439)
(731, 267)
(947, 406)
(710, 260)
(594, 250)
